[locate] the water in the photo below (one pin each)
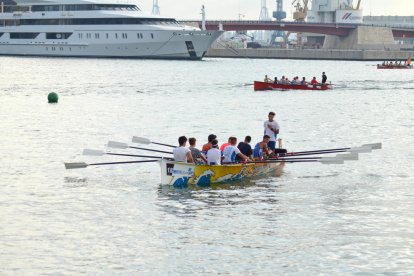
(354, 218)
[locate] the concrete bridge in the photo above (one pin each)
(341, 30)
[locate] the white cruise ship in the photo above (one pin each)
(81, 28)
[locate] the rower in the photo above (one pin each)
(195, 152)
(409, 61)
(261, 148)
(231, 151)
(214, 155)
(303, 82)
(207, 146)
(182, 153)
(267, 79)
(314, 81)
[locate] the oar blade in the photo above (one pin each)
(331, 160)
(374, 146)
(360, 149)
(351, 156)
(77, 165)
(141, 140)
(117, 145)
(92, 152)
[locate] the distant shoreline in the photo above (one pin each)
(311, 54)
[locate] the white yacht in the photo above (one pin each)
(82, 28)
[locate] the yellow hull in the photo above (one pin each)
(182, 174)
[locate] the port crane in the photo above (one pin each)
(279, 15)
(299, 15)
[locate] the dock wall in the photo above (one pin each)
(325, 54)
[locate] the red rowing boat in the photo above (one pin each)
(260, 86)
(380, 66)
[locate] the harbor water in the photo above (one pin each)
(354, 218)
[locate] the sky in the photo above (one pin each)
(250, 9)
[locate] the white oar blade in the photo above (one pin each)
(331, 160)
(141, 140)
(351, 156)
(374, 146)
(79, 165)
(360, 150)
(117, 145)
(93, 152)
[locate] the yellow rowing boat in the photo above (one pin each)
(181, 174)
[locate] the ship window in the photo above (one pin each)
(107, 35)
(60, 35)
(23, 35)
(92, 21)
(96, 35)
(1, 34)
(88, 35)
(116, 35)
(86, 7)
(80, 35)
(152, 35)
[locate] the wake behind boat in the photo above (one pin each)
(81, 28)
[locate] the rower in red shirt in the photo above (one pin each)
(314, 81)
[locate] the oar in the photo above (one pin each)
(323, 160)
(355, 150)
(351, 156)
(141, 140)
(119, 145)
(363, 149)
(101, 153)
(81, 165)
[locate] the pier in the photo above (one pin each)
(311, 54)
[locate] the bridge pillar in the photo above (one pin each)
(363, 38)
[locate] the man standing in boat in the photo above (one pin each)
(324, 78)
(271, 128)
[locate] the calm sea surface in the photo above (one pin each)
(355, 218)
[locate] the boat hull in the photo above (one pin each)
(262, 86)
(380, 66)
(166, 44)
(180, 174)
